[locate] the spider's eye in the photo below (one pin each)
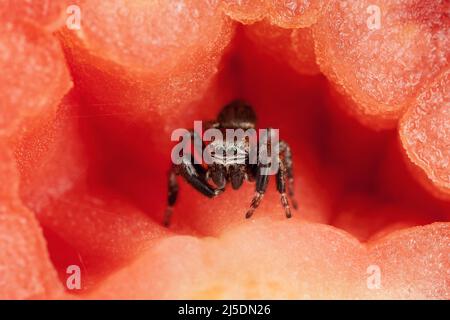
(232, 151)
(220, 149)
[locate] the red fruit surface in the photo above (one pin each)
(57, 184)
(34, 74)
(285, 13)
(287, 264)
(123, 65)
(50, 155)
(398, 180)
(354, 148)
(295, 47)
(425, 131)
(369, 219)
(48, 14)
(87, 185)
(25, 268)
(382, 69)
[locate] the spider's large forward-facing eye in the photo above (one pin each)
(232, 150)
(220, 150)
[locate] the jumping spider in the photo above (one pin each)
(236, 115)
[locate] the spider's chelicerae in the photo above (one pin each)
(210, 180)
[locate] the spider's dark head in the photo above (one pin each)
(237, 114)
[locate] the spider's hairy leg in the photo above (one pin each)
(286, 160)
(261, 185)
(172, 196)
(281, 187)
(195, 175)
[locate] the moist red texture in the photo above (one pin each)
(382, 69)
(85, 122)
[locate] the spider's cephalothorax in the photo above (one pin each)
(230, 163)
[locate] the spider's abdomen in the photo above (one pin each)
(237, 114)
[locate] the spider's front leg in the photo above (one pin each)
(172, 195)
(286, 163)
(281, 187)
(195, 175)
(262, 176)
(262, 180)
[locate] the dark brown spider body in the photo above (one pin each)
(237, 115)
(230, 163)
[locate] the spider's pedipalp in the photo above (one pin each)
(218, 175)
